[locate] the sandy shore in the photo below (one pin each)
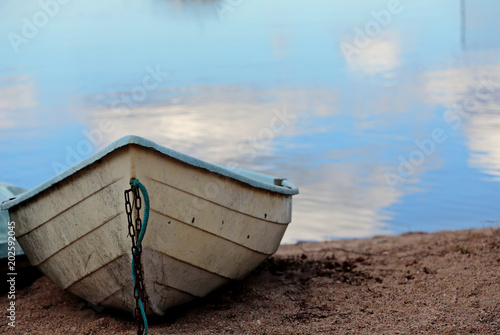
(441, 283)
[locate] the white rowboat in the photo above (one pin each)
(208, 225)
(8, 191)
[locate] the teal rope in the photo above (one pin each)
(136, 184)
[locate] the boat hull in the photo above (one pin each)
(205, 229)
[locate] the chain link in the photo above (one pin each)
(134, 227)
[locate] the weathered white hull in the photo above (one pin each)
(205, 229)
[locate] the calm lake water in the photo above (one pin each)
(386, 114)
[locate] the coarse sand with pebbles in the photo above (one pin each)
(417, 283)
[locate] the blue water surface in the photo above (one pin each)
(343, 99)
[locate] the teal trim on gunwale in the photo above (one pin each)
(254, 179)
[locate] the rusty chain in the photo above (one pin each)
(133, 232)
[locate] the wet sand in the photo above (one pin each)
(417, 283)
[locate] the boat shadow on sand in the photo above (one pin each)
(289, 276)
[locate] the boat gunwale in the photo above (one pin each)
(254, 179)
